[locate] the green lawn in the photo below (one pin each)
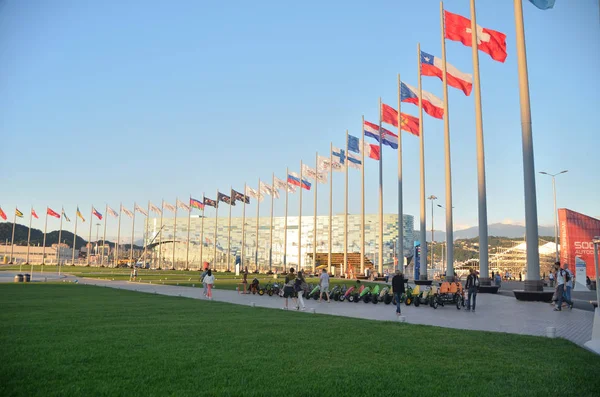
(67, 339)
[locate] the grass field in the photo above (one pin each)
(67, 339)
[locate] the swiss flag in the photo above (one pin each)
(458, 28)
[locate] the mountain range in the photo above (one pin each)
(494, 229)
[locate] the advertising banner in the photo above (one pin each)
(576, 234)
(580, 269)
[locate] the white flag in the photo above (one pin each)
(182, 205)
(325, 162)
(111, 212)
(155, 209)
(310, 172)
(253, 193)
(169, 207)
(281, 184)
(267, 189)
(140, 210)
(126, 211)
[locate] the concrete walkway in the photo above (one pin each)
(494, 313)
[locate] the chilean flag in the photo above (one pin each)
(458, 28)
(432, 66)
(389, 138)
(390, 115)
(432, 105)
(294, 179)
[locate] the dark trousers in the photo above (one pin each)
(562, 295)
(472, 295)
(397, 296)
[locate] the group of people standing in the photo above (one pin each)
(295, 286)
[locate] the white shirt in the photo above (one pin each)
(559, 277)
(570, 282)
(209, 279)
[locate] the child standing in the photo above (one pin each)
(209, 280)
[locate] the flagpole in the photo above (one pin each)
(400, 252)
(147, 238)
(12, 240)
(216, 232)
(346, 210)
(229, 230)
(243, 254)
(481, 189)
(257, 219)
(449, 214)
(330, 206)
(315, 215)
(44, 243)
(29, 233)
(132, 235)
(75, 238)
(532, 279)
(201, 234)
(285, 225)
(174, 233)
(118, 235)
(187, 251)
(90, 237)
(62, 215)
(380, 267)
(362, 202)
(271, 227)
(300, 223)
(423, 226)
(103, 235)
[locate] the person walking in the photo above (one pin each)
(209, 280)
(562, 276)
(245, 280)
(324, 284)
(204, 273)
(551, 278)
(299, 288)
(471, 287)
(398, 288)
(288, 288)
(570, 282)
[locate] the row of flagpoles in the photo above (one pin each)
(453, 27)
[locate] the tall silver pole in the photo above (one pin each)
(300, 223)
(74, 239)
(174, 232)
(380, 266)
(432, 197)
(162, 210)
(271, 226)
(132, 236)
(202, 234)
(330, 242)
(89, 253)
(285, 225)
(216, 232)
(44, 243)
(362, 200)
(346, 210)
(555, 217)
(29, 234)
(243, 254)
(147, 237)
(103, 235)
(117, 248)
(229, 230)
(532, 281)
(12, 240)
(423, 225)
(400, 252)
(482, 195)
(257, 225)
(187, 250)
(62, 215)
(449, 214)
(315, 215)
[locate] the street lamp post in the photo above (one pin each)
(449, 266)
(555, 210)
(432, 197)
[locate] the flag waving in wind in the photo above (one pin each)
(182, 205)
(237, 196)
(155, 209)
(18, 213)
(281, 184)
(78, 214)
(325, 163)
(253, 193)
(432, 66)
(140, 210)
(543, 4)
(2, 214)
(390, 115)
(225, 198)
(432, 105)
(458, 28)
(126, 211)
(210, 202)
(96, 213)
(50, 212)
(112, 212)
(169, 207)
(372, 130)
(356, 145)
(196, 204)
(34, 214)
(294, 179)
(310, 172)
(65, 216)
(268, 189)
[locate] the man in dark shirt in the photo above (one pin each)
(471, 287)
(398, 288)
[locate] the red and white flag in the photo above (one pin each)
(169, 207)
(126, 211)
(182, 205)
(34, 214)
(111, 212)
(50, 212)
(155, 209)
(458, 28)
(140, 210)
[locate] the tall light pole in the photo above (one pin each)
(555, 210)
(432, 197)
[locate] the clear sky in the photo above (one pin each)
(110, 101)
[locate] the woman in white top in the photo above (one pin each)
(209, 279)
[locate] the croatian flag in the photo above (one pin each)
(432, 105)
(294, 179)
(389, 138)
(432, 66)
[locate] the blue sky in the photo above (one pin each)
(104, 102)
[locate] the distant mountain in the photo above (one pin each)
(495, 229)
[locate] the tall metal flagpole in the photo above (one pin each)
(285, 225)
(423, 226)
(12, 240)
(271, 227)
(532, 279)
(162, 210)
(315, 215)
(400, 252)
(229, 229)
(103, 234)
(362, 200)
(202, 234)
(117, 248)
(187, 250)
(330, 205)
(216, 231)
(62, 215)
(346, 210)
(44, 243)
(29, 233)
(257, 220)
(300, 223)
(147, 237)
(449, 221)
(380, 267)
(74, 239)
(132, 235)
(89, 253)
(482, 195)
(174, 233)
(243, 255)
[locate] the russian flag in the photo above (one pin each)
(432, 105)
(432, 66)
(294, 179)
(389, 138)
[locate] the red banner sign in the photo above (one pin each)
(576, 234)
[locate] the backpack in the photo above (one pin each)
(567, 275)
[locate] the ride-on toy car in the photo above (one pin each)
(451, 293)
